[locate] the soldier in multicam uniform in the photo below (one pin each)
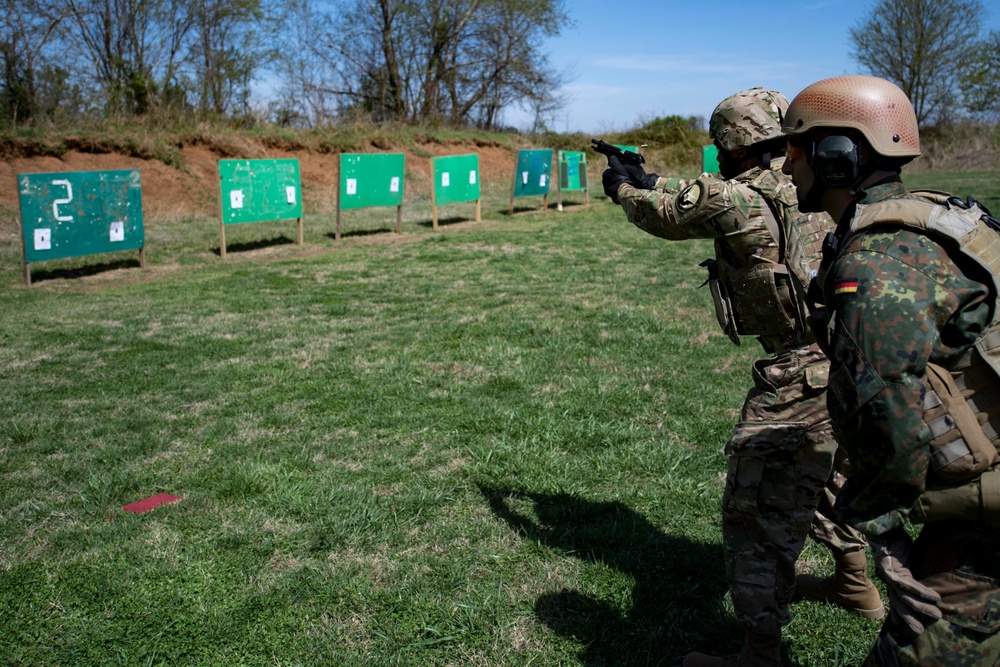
(911, 283)
(782, 452)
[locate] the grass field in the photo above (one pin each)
(495, 444)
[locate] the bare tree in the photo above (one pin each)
(378, 48)
(132, 50)
(228, 50)
(442, 33)
(144, 54)
(175, 21)
(457, 62)
(310, 79)
(27, 28)
(116, 38)
(980, 84)
(505, 66)
(460, 62)
(920, 45)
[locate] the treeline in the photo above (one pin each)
(937, 52)
(462, 62)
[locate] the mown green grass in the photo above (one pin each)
(495, 444)
(981, 185)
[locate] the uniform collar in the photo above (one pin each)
(889, 188)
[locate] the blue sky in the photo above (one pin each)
(627, 62)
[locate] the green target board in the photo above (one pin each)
(709, 159)
(572, 170)
(532, 173)
(259, 190)
(69, 214)
(456, 178)
(371, 179)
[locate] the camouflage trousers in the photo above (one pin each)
(781, 470)
(961, 561)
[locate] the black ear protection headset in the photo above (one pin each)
(835, 161)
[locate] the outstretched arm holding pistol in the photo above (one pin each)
(623, 167)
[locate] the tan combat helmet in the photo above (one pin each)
(747, 118)
(876, 108)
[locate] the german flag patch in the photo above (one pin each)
(845, 287)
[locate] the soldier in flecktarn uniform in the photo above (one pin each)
(912, 328)
(783, 459)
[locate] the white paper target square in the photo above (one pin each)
(394, 184)
(351, 186)
(541, 181)
(236, 199)
(445, 179)
(117, 232)
(290, 193)
(43, 239)
(524, 177)
(472, 178)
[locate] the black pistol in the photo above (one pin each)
(625, 157)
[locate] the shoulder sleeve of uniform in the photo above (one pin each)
(885, 309)
(684, 214)
(704, 198)
(671, 184)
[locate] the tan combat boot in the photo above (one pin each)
(759, 650)
(849, 587)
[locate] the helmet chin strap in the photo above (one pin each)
(864, 173)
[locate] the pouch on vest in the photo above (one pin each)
(723, 304)
(960, 450)
(946, 503)
(978, 500)
(762, 299)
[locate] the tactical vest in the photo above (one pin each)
(766, 299)
(961, 403)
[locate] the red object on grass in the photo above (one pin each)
(149, 503)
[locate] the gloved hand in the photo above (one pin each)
(911, 604)
(618, 173)
(613, 177)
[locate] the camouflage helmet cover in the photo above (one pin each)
(876, 108)
(747, 118)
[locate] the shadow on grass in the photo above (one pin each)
(676, 602)
(444, 222)
(571, 206)
(249, 246)
(553, 207)
(38, 275)
(360, 232)
(520, 210)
